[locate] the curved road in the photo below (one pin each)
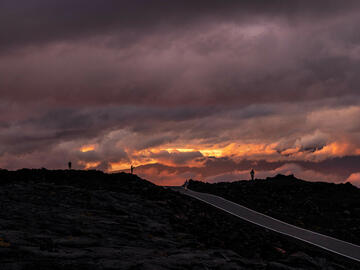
(331, 244)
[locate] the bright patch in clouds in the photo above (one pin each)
(89, 165)
(87, 148)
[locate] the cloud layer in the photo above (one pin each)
(181, 87)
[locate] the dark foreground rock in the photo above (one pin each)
(91, 220)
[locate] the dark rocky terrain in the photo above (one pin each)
(91, 220)
(331, 209)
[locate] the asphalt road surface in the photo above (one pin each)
(331, 244)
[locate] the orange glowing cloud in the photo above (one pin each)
(118, 166)
(188, 155)
(87, 148)
(125, 165)
(89, 165)
(246, 150)
(229, 149)
(337, 149)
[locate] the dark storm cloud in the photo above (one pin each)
(35, 22)
(45, 130)
(289, 64)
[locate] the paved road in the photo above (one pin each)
(331, 244)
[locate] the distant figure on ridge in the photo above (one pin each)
(186, 184)
(69, 165)
(252, 174)
(132, 169)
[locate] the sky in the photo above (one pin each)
(182, 89)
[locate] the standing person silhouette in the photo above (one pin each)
(131, 169)
(69, 165)
(186, 184)
(252, 174)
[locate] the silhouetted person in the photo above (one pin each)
(69, 165)
(186, 184)
(132, 169)
(252, 174)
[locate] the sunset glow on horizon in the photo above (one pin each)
(195, 157)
